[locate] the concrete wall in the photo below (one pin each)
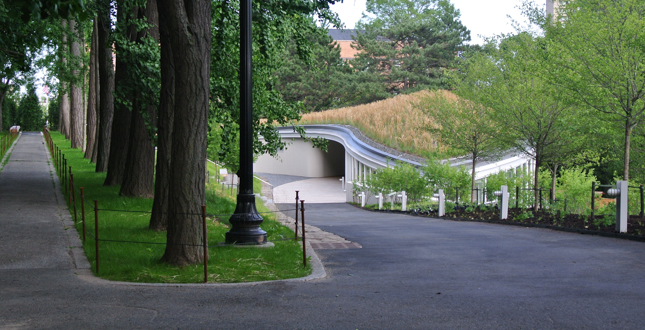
(301, 159)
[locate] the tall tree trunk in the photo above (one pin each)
(628, 137)
(2, 95)
(159, 217)
(106, 77)
(76, 90)
(536, 183)
(122, 115)
(64, 105)
(138, 179)
(189, 23)
(553, 182)
(472, 180)
(91, 95)
(97, 83)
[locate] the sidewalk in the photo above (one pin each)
(34, 223)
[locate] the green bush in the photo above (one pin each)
(519, 179)
(574, 189)
(401, 177)
(449, 178)
(30, 112)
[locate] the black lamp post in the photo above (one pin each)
(246, 221)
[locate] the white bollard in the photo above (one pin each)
(362, 196)
(622, 203)
(342, 183)
(442, 203)
(505, 196)
(380, 200)
(404, 201)
(392, 196)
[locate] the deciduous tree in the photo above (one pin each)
(597, 54)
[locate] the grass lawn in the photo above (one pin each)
(136, 256)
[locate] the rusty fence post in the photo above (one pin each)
(96, 233)
(83, 211)
(71, 181)
(65, 173)
(296, 222)
(205, 244)
(304, 242)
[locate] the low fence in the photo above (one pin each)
(6, 141)
(71, 192)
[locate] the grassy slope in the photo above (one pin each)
(139, 262)
(396, 122)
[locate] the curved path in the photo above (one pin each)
(412, 273)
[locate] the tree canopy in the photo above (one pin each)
(410, 42)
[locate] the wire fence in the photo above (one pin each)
(78, 210)
(6, 141)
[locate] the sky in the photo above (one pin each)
(483, 18)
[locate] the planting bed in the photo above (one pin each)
(544, 219)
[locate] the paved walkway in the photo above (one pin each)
(412, 273)
(311, 190)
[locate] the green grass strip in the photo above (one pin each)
(140, 262)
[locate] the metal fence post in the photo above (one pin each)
(205, 241)
(83, 211)
(296, 238)
(593, 200)
(640, 188)
(304, 243)
(71, 180)
(96, 233)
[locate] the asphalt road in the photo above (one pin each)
(412, 273)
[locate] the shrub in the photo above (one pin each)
(30, 112)
(401, 177)
(574, 189)
(450, 179)
(519, 179)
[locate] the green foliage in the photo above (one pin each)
(140, 53)
(512, 179)
(226, 154)
(9, 112)
(608, 213)
(275, 26)
(524, 215)
(31, 117)
(595, 51)
(53, 114)
(574, 189)
(401, 177)
(409, 42)
(440, 175)
(324, 80)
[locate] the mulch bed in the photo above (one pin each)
(541, 219)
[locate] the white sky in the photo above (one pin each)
(481, 17)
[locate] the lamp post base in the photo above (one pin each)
(246, 223)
